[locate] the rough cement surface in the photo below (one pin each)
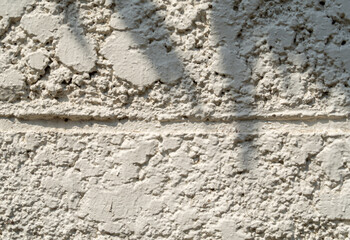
(153, 119)
(248, 180)
(176, 59)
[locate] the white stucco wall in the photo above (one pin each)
(207, 119)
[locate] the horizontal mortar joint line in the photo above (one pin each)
(211, 119)
(253, 127)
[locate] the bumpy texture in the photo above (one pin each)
(174, 59)
(203, 183)
(168, 119)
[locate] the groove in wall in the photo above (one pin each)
(246, 126)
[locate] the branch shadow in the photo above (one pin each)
(71, 18)
(235, 72)
(82, 55)
(141, 24)
(148, 53)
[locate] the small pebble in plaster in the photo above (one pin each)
(13, 8)
(227, 62)
(11, 83)
(43, 26)
(37, 61)
(75, 51)
(140, 67)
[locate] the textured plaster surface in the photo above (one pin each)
(131, 180)
(176, 59)
(207, 119)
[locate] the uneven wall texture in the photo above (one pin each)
(169, 119)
